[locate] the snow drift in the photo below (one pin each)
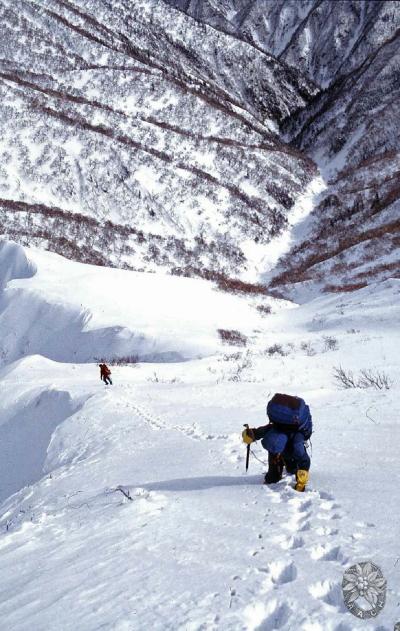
(69, 311)
(26, 434)
(14, 263)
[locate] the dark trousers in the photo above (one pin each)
(290, 445)
(107, 380)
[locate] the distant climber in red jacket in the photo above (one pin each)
(105, 373)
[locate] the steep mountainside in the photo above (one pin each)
(351, 50)
(181, 135)
(352, 131)
(123, 125)
(323, 39)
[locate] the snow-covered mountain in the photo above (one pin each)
(123, 125)
(255, 145)
(181, 135)
(351, 130)
(322, 39)
(351, 51)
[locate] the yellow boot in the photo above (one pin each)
(301, 479)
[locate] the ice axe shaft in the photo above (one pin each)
(247, 450)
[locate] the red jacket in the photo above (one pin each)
(104, 370)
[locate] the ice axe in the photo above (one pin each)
(247, 450)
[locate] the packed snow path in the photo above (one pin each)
(199, 544)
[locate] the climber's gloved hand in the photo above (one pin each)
(248, 436)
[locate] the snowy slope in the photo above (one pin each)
(199, 544)
(68, 311)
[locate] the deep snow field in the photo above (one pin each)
(128, 507)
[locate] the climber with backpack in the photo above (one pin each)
(105, 374)
(289, 427)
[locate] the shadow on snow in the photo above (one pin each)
(202, 483)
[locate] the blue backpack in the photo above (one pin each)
(291, 413)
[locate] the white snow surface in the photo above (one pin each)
(128, 508)
(68, 311)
